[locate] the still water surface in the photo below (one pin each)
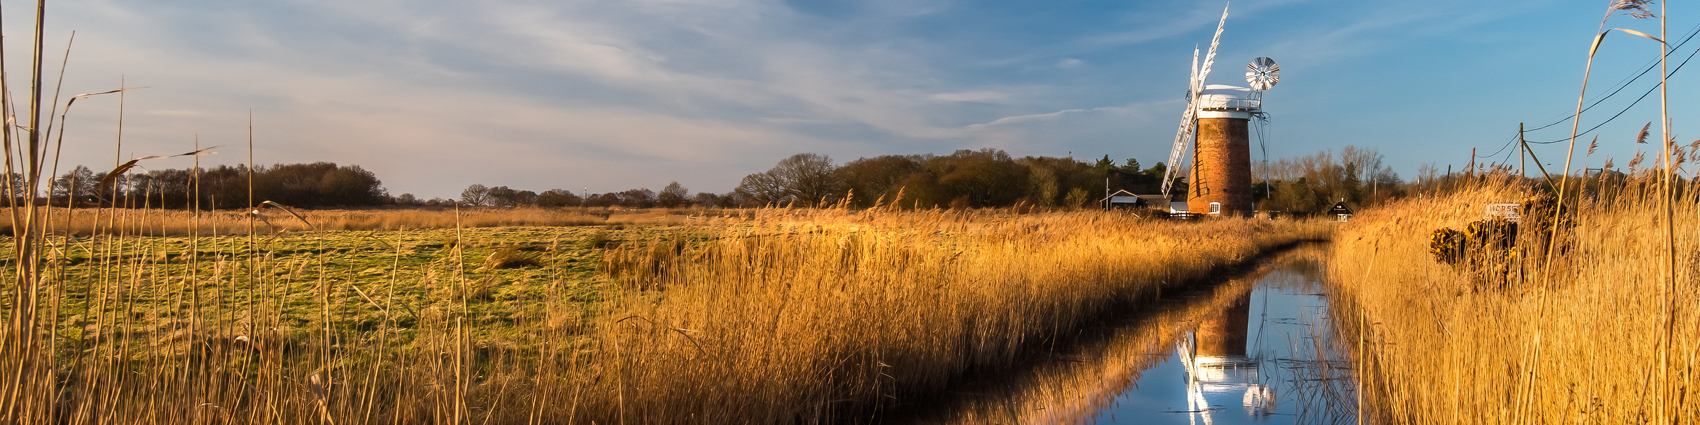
(1257, 348)
(1262, 359)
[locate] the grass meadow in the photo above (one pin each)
(272, 220)
(742, 316)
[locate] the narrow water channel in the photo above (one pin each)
(1257, 348)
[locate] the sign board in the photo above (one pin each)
(1506, 210)
(1340, 208)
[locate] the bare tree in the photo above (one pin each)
(1427, 174)
(807, 177)
(75, 185)
(475, 195)
(1365, 161)
(674, 195)
(763, 188)
(810, 177)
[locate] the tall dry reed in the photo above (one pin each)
(1441, 347)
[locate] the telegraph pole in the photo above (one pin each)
(1523, 147)
(1472, 166)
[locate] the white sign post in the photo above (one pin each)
(1506, 210)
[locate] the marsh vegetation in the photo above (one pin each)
(773, 315)
(1593, 333)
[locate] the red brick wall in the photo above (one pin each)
(1225, 334)
(1221, 170)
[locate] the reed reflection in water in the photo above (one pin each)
(1254, 349)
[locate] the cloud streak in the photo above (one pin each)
(614, 95)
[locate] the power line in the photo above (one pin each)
(1618, 88)
(1625, 83)
(1631, 105)
(1508, 155)
(1501, 148)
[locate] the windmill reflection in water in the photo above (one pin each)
(1217, 366)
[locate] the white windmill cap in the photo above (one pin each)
(1225, 89)
(1225, 101)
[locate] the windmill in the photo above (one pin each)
(1215, 125)
(1189, 119)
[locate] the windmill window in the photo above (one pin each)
(1215, 207)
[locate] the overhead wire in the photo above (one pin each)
(1508, 155)
(1618, 88)
(1626, 109)
(1501, 148)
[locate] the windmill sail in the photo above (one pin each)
(1189, 119)
(1183, 136)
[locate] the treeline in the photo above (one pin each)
(319, 184)
(964, 179)
(991, 178)
(674, 195)
(1314, 183)
(986, 178)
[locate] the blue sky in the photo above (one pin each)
(611, 95)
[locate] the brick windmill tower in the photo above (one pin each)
(1218, 117)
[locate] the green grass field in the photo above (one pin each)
(493, 277)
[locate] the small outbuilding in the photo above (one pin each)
(1340, 211)
(1178, 208)
(1123, 199)
(1159, 202)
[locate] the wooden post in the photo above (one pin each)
(1471, 167)
(1523, 147)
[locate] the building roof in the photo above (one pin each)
(1340, 208)
(1119, 193)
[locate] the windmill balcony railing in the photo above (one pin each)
(1229, 103)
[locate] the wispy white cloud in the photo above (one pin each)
(540, 93)
(435, 89)
(970, 96)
